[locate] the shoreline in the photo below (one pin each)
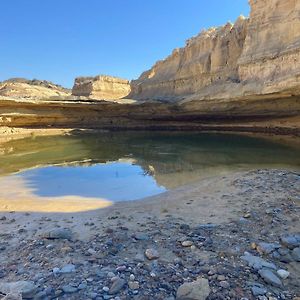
(198, 230)
(9, 133)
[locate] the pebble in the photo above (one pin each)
(221, 277)
(151, 254)
(82, 286)
(267, 247)
(140, 236)
(291, 240)
(117, 286)
(257, 262)
(131, 277)
(58, 233)
(55, 270)
(296, 254)
(187, 243)
(111, 275)
(269, 277)
(50, 247)
(91, 251)
(283, 273)
(134, 285)
(68, 289)
(258, 291)
(67, 269)
(196, 290)
(224, 284)
(93, 295)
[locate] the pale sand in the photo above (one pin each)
(212, 200)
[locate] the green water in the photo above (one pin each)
(132, 165)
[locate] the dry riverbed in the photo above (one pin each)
(230, 237)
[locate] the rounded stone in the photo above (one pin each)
(187, 243)
(151, 254)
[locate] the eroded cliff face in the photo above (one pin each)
(254, 57)
(101, 87)
(207, 58)
(272, 46)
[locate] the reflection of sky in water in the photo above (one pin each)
(117, 181)
(177, 159)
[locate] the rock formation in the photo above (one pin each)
(24, 88)
(272, 47)
(207, 58)
(254, 57)
(101, 87)
(243, 76)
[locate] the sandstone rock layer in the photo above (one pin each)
(207, 58)
(101, 87)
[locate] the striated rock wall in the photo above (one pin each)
(207, 58)
(254, 57)
(272, 46)
(101, 87)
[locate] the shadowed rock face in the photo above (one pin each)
(101, 87)
(253, 58)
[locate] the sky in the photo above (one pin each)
(59, 40)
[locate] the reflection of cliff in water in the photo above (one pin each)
(173, 158)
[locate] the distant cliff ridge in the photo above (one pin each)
(101, 87)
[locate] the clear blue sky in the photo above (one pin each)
(58, 40)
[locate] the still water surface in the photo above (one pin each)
(127, 166)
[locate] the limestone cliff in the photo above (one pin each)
(101, 87)
(207, 58)
(272, 46)
(24, 88)
(254, 58)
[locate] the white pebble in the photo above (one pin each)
(283, 273)
(105, 288)
(131, 277)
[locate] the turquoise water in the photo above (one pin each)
(127, 166)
